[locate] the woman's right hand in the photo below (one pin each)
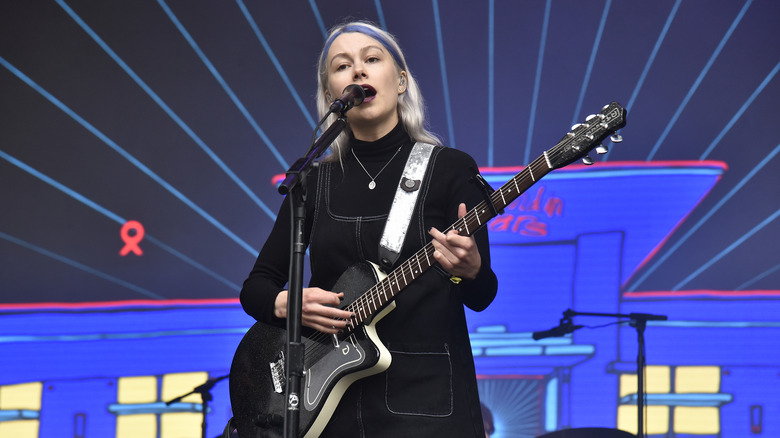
(319, 310)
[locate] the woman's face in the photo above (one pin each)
(355, 58)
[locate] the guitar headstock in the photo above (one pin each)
(588, 135)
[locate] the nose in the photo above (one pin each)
(359, 71)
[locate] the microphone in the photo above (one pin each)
(353, 95)
(556, 332)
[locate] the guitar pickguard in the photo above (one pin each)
(341, 358)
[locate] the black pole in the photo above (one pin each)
(295, 351)
(640, 325)
(295, 185)
(639, 321)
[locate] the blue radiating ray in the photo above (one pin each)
(443, 69)
(650, 60)
(727, 250)
(705, 218)
(214, 72)
(275, 61)
(741, 111)
(537, 83)
(380, 13)
(80, 266)
(591, 61)
(758, 277)
(204, 147)
(317, 16)
(114, 217)
(126, 155)
(491, 78)
(699, 79)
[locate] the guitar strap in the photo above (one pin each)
(404, 201)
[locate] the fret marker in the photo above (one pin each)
(546, 158)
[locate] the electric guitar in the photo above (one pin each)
(333, 362)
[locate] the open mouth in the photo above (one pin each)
(370, 92)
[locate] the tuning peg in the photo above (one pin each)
(616, 137)
(573, 127)
(587, 160)
(601, 149)
(590, 117)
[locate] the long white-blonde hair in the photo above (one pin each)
(411, 105)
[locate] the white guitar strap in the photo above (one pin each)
(403, 205)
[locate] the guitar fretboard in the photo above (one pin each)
(383, 292)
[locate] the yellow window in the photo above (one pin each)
(142, 389)
(697, 420)
(25, 396)
(181, 424)
(136, 426)
(175, 385)
(697, 380)
(656, 418)
(657, 381)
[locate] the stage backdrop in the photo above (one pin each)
(139, 142)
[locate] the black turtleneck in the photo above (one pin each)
(349, 196)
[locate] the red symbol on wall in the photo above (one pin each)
(132, 233)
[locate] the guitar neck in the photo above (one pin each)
(384, 291)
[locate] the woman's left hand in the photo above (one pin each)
(457, 254)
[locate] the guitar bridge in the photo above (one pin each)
(277, 374)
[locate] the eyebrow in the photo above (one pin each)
(362, 51)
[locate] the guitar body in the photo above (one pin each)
(257, 390)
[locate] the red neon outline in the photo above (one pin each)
(617, 164)
(671, 232)
(703, 293)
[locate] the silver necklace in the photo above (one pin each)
(372, 184)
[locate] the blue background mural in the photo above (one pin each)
(139, 140)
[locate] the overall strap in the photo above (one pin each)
(403, 205)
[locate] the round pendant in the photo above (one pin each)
(371, 185)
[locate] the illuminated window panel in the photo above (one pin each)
(25, 399)
(174, 385)
(183, 424)
(19, 429)
(656, 419)
(23, 396)
(697, 380)
(697, 420)
(657, 381)
(141, 389)
(136, 426)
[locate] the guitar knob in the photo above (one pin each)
(601, 149)
(616, 138)
(587, 160)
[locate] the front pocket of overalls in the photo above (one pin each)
(419, 381)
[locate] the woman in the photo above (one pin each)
(430, 388)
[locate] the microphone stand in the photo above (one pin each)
(295, 185)
(639, 321)
(205, 394)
